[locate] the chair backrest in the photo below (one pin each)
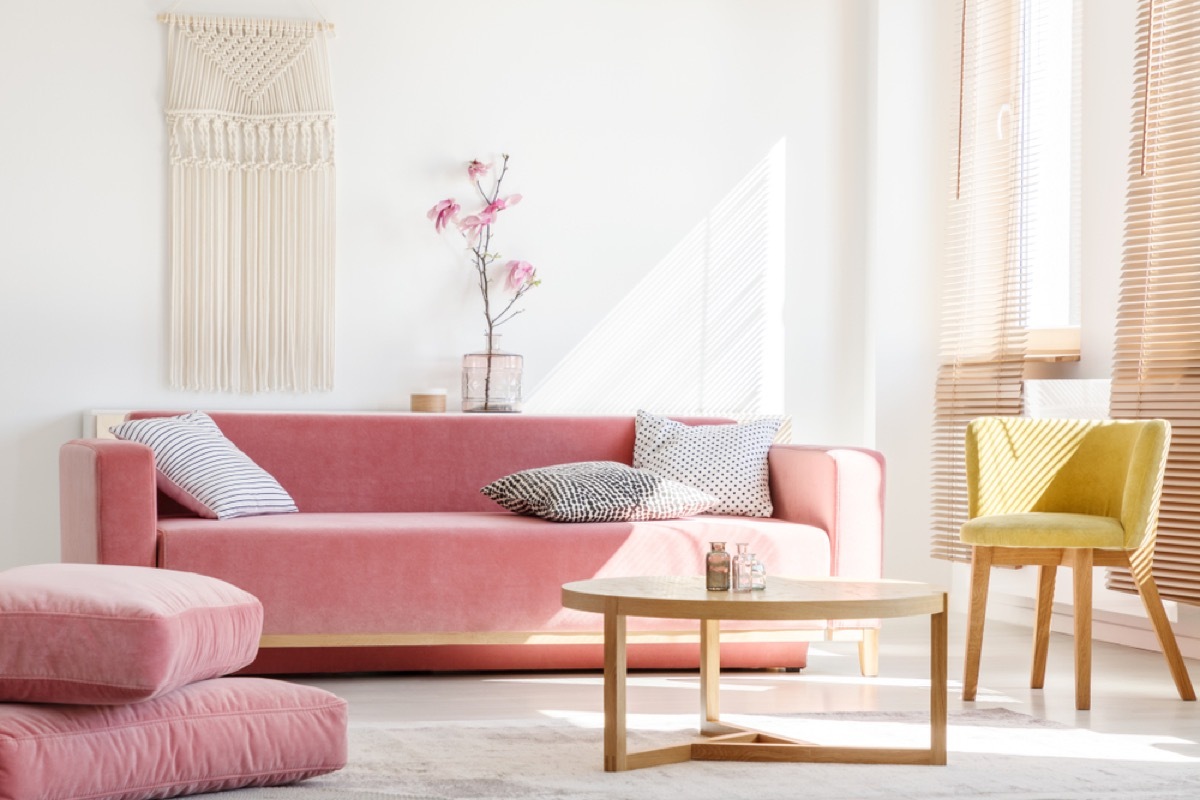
(1108, 468)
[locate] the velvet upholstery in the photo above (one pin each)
(377, 573)
(1034, 482)
(400, 463)
(394, 536)
(109, 634)
(209, 736)
(1044, 529)
(108, 502)
(839, 490)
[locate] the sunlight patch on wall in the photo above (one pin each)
(702, 333)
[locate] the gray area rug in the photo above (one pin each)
(992, 754)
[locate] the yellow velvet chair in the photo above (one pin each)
(1072, 493)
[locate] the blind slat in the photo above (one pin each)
(1156, 361)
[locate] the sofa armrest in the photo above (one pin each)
(837, 489)
(107, 502)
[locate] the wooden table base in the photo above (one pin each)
(726, 742)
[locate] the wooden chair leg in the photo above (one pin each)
(981, 568)
(1082, 567)
(1041, 626)
(868, 653)
(1148, 590)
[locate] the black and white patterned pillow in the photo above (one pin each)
(202, 470)
(728, 461)
(596, 491)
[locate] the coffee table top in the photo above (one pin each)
(783, 599)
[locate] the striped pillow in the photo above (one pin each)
(596, 491)
(205, 472)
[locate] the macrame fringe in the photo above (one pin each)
(269, 27)
(250, 127)
(226, 142)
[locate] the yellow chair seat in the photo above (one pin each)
(1044, 529)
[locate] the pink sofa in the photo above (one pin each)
(397, 562)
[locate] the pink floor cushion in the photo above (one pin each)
(218, 734)
(95, 633)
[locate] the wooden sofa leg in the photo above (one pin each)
(981, 568)
(1041, 626)
(868, 653)
(1151, 599)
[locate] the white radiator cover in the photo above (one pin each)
(1067, 399)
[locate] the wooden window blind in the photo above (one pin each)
(1156, 363)
(984, 294)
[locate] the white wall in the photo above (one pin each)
(913, 99)
(628, 122)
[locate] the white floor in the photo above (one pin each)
(1132, 691)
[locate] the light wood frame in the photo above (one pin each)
(1080, 560)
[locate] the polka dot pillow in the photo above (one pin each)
(727, 461)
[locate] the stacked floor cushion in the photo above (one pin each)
(110, 688)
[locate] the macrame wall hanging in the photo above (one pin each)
(250, 125)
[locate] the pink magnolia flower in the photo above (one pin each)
(476, 169)
(470, 226)
(519, 274)
(443, 214)
(501, 203)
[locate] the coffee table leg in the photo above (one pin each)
(937, 687)
(710, 673)
(615, 758)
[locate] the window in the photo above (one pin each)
(1049, 164)
(1009, 231)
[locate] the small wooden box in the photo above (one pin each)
(431, 401)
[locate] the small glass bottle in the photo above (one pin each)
(741, 568)
(758, 574)
(716, 565)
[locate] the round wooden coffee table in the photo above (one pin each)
(783, 599)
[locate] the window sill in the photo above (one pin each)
(1052, 345)
(1051, 358)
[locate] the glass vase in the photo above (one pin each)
(491, 380)
(716, 568)
(758, 574)
(741, 568)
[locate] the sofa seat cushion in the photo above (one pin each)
(460, 571)
(213, 735)
(101, 633)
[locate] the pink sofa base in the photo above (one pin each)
(503, 658)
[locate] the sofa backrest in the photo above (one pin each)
(414, 462)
